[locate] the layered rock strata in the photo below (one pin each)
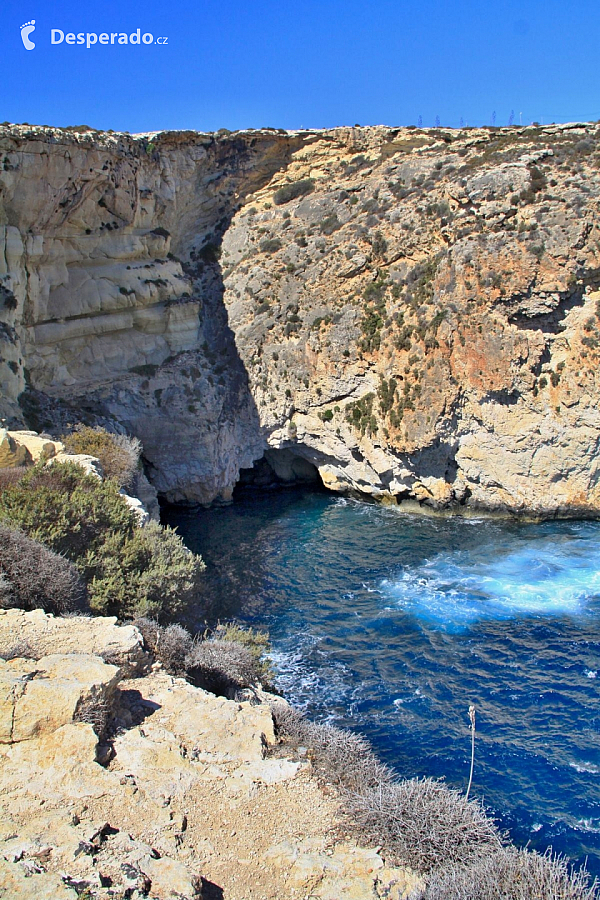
(412, 313)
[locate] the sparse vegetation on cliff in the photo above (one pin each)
(293, 191)
(229, 659)
(426, 825)
(119, 454)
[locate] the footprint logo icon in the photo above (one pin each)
(26, 30)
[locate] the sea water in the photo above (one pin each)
(392, 624)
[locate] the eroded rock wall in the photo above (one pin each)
(112, 301)
(413, 312)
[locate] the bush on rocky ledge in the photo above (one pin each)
(512, 874)
(33, 577)
(169, 645)
(424, 824)
(119, 454)
(420, 822)
(222, 667)
(128, 570)
(148, 571)
(228, 661)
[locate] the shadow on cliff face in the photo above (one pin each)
(192, 409)
(211, 891)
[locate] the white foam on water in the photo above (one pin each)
(302, 683)
(588, 767)
(592, 826)
(543, 577)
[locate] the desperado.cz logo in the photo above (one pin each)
(27, 29)
(89, 38)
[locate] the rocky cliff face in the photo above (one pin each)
(413, 313)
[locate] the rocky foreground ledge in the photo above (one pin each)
(182, 799)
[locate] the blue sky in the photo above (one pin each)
(301, 64)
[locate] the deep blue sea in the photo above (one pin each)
(391, 624)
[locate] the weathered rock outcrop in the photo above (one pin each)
(413, 313)
(38, 634)
(186, 796)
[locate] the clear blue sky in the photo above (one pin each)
(302, 64)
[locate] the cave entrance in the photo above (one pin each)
(279, 469)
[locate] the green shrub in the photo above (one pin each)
(379, 244)
(360, 414)
(145, 572)
(270, 245)
(129, 570)
(293, 191)
(62, 507)
(33, 577)
(118, 454)
(386, 393)
(330, 224)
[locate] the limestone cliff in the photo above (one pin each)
(414, 313)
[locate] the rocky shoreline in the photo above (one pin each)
(183, 799)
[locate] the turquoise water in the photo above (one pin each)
(392, 624)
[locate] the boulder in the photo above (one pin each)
(37, 698)
(171, 880)
(90, 464)
(345, 871)
(55, 768)
(120, 645)
(12, 453)
(37, 446)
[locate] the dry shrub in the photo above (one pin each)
(512, 874)
(222, 667)
(93, 711)
(338, 756)
(257, 643)
(119, 454)
(34, 577)
(19, 649)
(170, 645)
(424, 824)
(11, 475)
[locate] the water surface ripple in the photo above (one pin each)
(392, 624)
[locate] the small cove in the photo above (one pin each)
(391, 624)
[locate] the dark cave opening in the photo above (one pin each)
(278, 469)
